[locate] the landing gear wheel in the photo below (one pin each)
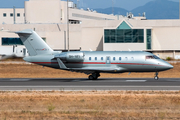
(91, 77)
(94, 76)
(156, 77)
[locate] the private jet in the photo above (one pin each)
(91, 63)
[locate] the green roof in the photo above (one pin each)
(123, 25)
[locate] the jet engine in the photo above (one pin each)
(76, 56)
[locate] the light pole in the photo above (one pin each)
(112, 7)
(68, 23)
(78, 4)
(14, 14)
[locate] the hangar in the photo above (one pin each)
(89, 30)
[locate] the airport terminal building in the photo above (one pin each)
(89, 30)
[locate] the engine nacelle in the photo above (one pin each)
(75, 56)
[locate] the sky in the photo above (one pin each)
(92, 4)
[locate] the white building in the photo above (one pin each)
(89, 29)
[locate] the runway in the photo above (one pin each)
(63, 84)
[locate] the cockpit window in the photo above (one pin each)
(149, 57)
(152, 57)
(156, 57)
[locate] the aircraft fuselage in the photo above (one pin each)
(104, 61)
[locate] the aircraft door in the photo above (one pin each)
(24, 51)
(108, 60)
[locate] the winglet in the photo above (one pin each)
(61, 64)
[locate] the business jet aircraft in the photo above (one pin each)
(91, 63)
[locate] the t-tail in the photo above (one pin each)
(34, 43)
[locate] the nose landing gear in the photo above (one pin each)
(156, 76)
(94, 76)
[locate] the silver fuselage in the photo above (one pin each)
(103, 61)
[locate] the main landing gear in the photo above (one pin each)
(94, 76)
(156, 76)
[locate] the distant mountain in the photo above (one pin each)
(157, 9)
(119, 11)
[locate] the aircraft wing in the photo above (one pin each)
(89, 70)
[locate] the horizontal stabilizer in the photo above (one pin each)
(24, 32)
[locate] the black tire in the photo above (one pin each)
(91, 77)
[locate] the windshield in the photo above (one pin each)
(156, 57)
(152, 57)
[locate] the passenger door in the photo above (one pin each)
(108, 60)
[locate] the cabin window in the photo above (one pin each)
(119, 58)
(89, 58)
(132, 58)
(114, 58)
(95, 58)
(101, 58)
(126, 58)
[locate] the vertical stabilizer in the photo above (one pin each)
(34, 43)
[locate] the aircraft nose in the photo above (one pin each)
(169, 66)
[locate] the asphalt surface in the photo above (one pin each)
(17, 84)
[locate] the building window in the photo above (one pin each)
(18, 14)
(148, 32)
(11, 41)
(95, 58)
(89, 58)
(44, 39)
(124, 35)
(11, 14)
(4, 14)
(102, 58)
